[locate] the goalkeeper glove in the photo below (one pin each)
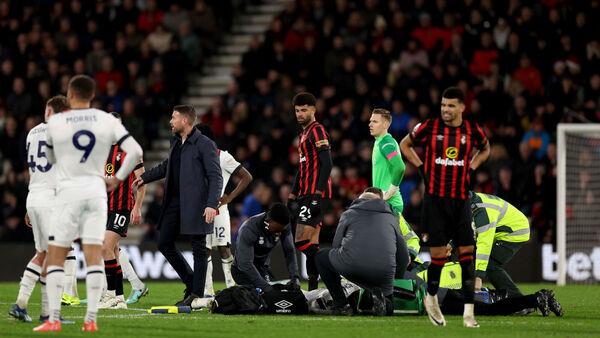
(391, 192)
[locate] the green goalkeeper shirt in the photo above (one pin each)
(388, 168)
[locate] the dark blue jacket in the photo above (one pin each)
(200, 181)
(254, 246)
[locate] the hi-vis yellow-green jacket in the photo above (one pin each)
(495, 219)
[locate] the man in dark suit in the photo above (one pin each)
(193, 186)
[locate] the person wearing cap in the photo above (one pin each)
(257, 237)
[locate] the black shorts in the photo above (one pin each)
(118, 221)
(309, 214)
(445, 219)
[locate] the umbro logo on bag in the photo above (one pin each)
(283, 306)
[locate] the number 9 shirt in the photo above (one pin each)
(79, 142)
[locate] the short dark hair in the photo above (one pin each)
(115, 114)
(58, 103)
(205, 130)
(454, 93)
(279, 213)
(83, 87)
(384, 113)
(188, 111)
(304, 99)
(374, 190)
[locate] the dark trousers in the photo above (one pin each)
(502, 252)
(168, 233)
(453, 304)
(331, 278)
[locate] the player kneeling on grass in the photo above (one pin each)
(501, 230)
(368, 249)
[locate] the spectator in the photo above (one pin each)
(190, 44)
(255, 203)
(108, 73)
(150, 18)
(529, 76)
(413, 56)
(483, 56)
(160, 39)
(537, 138)
(19, 101)
(175, 17)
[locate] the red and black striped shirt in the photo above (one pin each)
(313, 139)
(122, 197)
(448, 153)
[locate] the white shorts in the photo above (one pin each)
(221, 235)
(41, 218)
(85, 219)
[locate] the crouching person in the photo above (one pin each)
(368, 249)
(257, 237)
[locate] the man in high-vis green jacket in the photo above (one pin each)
(501, 230)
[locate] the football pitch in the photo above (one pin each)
(580, 303)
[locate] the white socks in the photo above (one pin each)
(70, 277)
(469, 310)
(209, 289)
(54, 288)
(129, 272)
(30, 276)
(226, 262)
(94, 282)
(44, 311)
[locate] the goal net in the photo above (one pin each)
(578, 204)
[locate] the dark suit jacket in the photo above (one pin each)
(200, 181)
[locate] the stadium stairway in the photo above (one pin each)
(216, 73)
(213, 80)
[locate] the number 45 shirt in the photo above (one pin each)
(41, 172)
(80, 140)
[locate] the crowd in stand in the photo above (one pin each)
(138, 51)
(524, 65)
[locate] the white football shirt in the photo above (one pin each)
(228, 166)
(42, 174)
(81, 140)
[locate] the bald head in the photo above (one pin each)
(369, 196)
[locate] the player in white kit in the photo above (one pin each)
(40, 206)
(221, 237)
(78, 144)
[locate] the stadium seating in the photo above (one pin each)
(525, 66)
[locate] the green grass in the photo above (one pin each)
(582, 319)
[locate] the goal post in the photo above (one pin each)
(578, 203)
